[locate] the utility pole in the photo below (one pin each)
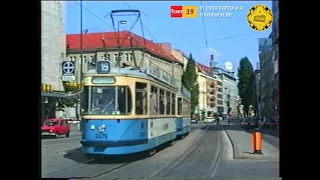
(81, 63)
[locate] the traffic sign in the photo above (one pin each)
(68, 71)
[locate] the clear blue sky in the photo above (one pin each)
(231, 38)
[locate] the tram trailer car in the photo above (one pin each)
(139, 123)
(183, 120)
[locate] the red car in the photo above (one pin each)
(55, 127)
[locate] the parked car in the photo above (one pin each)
(209, 120)
(248, 123)
(55, 127)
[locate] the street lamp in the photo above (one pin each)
(228, 102)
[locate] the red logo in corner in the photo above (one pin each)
(176, 11)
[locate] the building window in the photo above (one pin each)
(84, 59)
(141, 98)
(219, 83)
(107, 56)
(115, 57)
(220, 102)
(130, 57)
(220, 96)
(126, 56)
(220, 89)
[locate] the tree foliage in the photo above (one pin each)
(189, 81)
(246, 84)
(70, 102)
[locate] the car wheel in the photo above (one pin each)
(68, 134)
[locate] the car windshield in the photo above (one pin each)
(51, 123)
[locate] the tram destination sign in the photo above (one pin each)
(163, 76)
(103, 67)
(68, 71)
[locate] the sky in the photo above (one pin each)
(229, 39)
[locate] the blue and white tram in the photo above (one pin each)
(183, 120)
(127, 111)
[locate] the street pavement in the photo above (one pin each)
(53, 149)
(206, 152)
(238, 161)
(241, 140)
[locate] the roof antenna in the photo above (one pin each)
(128, 35)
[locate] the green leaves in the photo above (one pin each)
(189, 81)
(246, 83)
(69, 88)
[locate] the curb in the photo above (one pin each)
(236, 154)
(234, 147)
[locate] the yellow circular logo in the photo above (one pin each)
(259, 17)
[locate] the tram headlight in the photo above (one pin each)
(92, 127)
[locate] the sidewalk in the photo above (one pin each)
(242, 145)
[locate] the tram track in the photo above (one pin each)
(86, 169)
(198, 161)
(95, 168)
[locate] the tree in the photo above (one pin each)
(69, 102)
(189, 81)
(246, 84)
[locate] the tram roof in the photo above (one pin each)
(129, 71)
(125, 71)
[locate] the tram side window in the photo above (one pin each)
(141, 98)
(180, 106)
(162, 101)
(168, 105)
(124, 100)
(185, 107)
(173, 104)
(85, 99)
(154, 100)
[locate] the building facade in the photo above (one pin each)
(53, 50)
(52, 43)
(229, 92)
(275, 40)
(134, 53)
(266, 82)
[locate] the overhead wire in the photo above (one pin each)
(204, 30)
(102, 20)
(142, 23)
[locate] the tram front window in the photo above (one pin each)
(106, 101)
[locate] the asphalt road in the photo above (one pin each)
(59, 161)
(204, 153)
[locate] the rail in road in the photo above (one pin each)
(93, 168)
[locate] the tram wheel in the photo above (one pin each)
(151, 152)
(172, 143)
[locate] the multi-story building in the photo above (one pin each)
(229, 92)
(275, 40)
(134, 52)
(220, 95)
(52, 43)
(52, 54)
(266, 82)
(208, 90)
(206, 83)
